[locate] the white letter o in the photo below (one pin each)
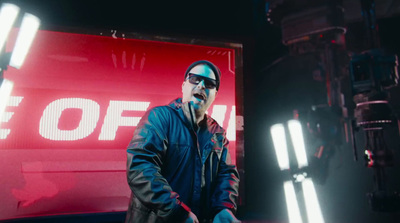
(48, 127)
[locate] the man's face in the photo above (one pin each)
(198, 87)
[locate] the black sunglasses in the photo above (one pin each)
(208, 82)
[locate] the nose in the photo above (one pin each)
(201, 84)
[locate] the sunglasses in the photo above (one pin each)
(208, 82)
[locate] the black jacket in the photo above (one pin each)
(168, 173)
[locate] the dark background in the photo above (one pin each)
(267, 91)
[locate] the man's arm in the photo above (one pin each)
(226, 191)
(145, 157)
(225, 216)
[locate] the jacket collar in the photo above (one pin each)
(187, 113)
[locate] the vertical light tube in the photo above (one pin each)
(314, 213)
(296, 135)
(5, 92)
(279, 141)
(291, 203)
(29, 27)
(8, 14)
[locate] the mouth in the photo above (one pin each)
(200, 96)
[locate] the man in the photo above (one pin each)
(179, 168)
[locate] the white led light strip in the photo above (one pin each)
(296, 134)
(314, 214)
(29, 27)
(8, 14)
(279, 140)
(291, 203)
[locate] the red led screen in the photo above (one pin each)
(74, 107)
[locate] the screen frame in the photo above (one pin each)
(181, 39)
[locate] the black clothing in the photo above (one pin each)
(168, 172)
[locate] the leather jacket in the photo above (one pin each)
(169, 175)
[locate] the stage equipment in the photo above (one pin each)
(29, 26)
(296, 176)
(319, 27)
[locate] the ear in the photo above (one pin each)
(183, 84)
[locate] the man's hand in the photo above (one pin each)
(225, 216)
(192, 218)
